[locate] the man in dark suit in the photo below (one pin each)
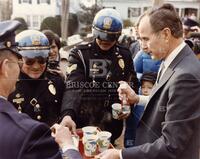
(169, 127)
(20, 136)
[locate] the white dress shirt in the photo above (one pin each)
(3, 97)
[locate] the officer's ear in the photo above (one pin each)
(4, 68)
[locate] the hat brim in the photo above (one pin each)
(14, 51)
(34, 53)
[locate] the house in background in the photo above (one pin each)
(5, 9)
(34, 11)
(132, 9)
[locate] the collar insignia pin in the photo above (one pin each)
(121, 63)
(52, 89)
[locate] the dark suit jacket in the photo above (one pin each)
(23, 138)
(170, 126)
(72, 154)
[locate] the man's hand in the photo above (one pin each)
(62, 135)
(125, 90)
(122, 116)
(68, 122)
(109, 154)
(56, 72)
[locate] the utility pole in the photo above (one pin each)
(157, 3)
(5, 9)
(64, 19)
(95, 3)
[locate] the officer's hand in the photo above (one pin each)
(68, 122)
(62, 135)
(125, 90)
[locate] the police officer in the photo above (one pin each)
(189, 25)
(38, 92)
(94, 71)
(29, 138)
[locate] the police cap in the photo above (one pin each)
(149, 76)
(190, 22)
(7, 36)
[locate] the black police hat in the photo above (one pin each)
(149, 76)
(190, 22)
(7, 36)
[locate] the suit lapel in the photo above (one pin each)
(6, 106)
(170, 71)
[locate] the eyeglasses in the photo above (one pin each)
(31, 61)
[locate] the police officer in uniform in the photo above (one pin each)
(94, 72)
(30, 139)
(38, 92)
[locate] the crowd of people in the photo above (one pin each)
(157, 76)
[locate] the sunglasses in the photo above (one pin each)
(39, 60)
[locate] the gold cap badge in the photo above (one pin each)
(35, 40)
(107, 23)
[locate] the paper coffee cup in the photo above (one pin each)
(116, 109)
(104, 140)
(90, 145)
